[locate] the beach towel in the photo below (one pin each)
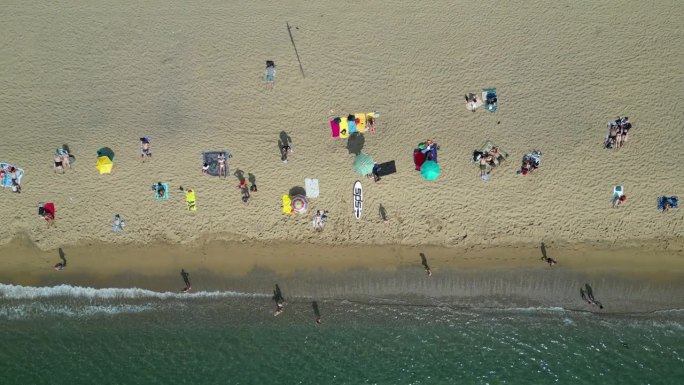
(351, 122)
(50, 208)
(472, 106)
(360, 121)
(490, 99)
(344, 128)
(387, 168)
(211, 158)
(335, 127)
(7, 179)
(287, 204)
(164, 197)
(418, 158)
(311, 187)
(190, 201)
(673, 201)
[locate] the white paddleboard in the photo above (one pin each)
(357, 199)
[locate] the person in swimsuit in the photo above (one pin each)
(205, 168)
(497, 156)
(222, 165)
(161, 191)
(612, 136)
(285, 151)
(65, 158)
(145, 150)
(484, 161)
(370, 124)
(58, 163)
(186, 280)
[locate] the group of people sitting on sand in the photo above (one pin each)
(530, 162)
(16, 187)
(618, 132)
(488, 159)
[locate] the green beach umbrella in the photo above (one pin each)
(363, 164)
(430, 170)
(106, 151)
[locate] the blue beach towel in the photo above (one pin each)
(118, 228)
(673, 200)
(166, 192)
(7, 180)
(352, 124)
(490, 99)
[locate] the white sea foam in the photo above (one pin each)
(29, 292)
(37, 309)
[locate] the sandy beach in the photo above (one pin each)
(102, 74)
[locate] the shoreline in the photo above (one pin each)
(629, 279)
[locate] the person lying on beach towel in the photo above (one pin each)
(269, 76)
(118, 223)
(145, 149)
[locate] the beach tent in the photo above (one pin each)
(430, 170)
(300, 204)
(363, 164)
(104, 165)
(106, 151)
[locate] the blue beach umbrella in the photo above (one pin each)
(430, 170)
(363, 164)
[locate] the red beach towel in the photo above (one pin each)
(418, 159)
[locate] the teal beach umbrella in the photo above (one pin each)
(430, 170)
(106, 151)
(363, 164)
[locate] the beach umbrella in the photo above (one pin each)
(106, 151)
(104, 165)
(300, 204)
(430, 170)
(363, 164)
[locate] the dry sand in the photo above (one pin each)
(91, 74)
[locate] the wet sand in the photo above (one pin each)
(625, 279)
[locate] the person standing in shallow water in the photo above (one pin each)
(186, 279)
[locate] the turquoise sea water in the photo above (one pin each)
(67, 335)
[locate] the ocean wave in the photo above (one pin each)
(31, 310)
(30, 292)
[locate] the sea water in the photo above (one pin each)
(72, 335)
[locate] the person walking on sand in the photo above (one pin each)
(584, 296)
(317, 312)
(61, 265)
(279, 300)
(186, 280)
(548, 260)
(423, 261)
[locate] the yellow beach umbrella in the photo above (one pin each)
(104, 165)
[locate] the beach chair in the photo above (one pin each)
(618, 191)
